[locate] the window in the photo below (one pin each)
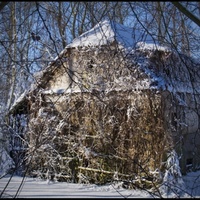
(174, 121)
(189, 162)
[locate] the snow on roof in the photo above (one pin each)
(151, 46)
(106, 32)
(130, 39)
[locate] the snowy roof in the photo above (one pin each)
(129, 39)
(106, 32)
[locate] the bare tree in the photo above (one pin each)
(34, 38)
(186, 12)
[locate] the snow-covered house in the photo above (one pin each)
(113, 103)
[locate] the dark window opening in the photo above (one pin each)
(189, 162)
(174, 121)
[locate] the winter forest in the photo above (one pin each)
(83, 100)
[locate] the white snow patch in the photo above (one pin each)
(106, 32)
(151, 46)
(37, 188)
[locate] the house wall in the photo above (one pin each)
(103, 68)
(60, 80)
(181, 115)
(111, 71)
(120, 131)
(171, 118)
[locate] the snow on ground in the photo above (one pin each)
(36, 188)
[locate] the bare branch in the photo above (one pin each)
(186, 12)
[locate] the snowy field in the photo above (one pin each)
(35, 188)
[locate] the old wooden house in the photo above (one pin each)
(112, 104)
